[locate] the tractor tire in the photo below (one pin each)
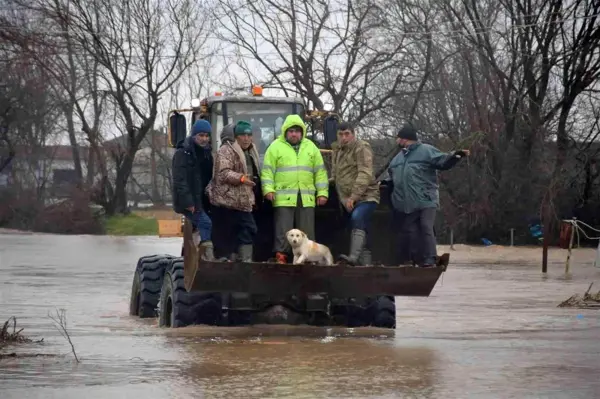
(375, 312)
(382, 312)
(179, 308)
(147, 282)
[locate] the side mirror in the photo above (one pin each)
(330, 130)
(177, 129)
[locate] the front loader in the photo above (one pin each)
(184, 290)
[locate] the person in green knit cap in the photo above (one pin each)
(232, 190)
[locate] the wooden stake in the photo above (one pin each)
(545, 231)
(545, 254)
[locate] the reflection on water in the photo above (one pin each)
(485, 332)
(306, 368)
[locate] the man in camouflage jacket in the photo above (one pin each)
(352, 173)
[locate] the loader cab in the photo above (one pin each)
(265, 114)
(266, 118)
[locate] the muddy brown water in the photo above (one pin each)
(490, 331)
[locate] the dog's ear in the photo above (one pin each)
(304, 235)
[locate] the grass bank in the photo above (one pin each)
(131, 225)
(140, 222)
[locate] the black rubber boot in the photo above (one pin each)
(209, 254)
(245, 253)
(358, 239)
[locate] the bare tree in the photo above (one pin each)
(325, 52)
(138, 49)
(28, 117)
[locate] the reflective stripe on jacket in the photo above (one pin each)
(287, 173)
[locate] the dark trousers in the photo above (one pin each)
(235, 228)
(285, 216)
(200, 221)
(416, 238)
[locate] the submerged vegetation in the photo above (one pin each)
(6, 336)
(587, 301)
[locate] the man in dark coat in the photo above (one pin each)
(192, 171)
(415, 195)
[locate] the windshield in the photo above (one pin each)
(265, 118)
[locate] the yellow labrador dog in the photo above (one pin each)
(306, 250)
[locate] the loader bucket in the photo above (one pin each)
(276, 280)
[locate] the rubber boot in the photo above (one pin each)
(365, 258)
(245, 253)
(358, 239)
(209, 254)
(281, 258)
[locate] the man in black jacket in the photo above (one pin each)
(192, 171)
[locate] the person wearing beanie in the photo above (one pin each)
(192, 170)
(232, 188)
(415, 194)
(358, 191)
(295, 180)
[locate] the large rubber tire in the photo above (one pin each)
(179, 308)
(146, 286)
(382, 312)
(375, 312)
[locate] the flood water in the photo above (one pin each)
(486, 331)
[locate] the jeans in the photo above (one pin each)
(416, 237)
(201, 222)
(360, 218)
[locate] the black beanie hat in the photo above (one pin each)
(407, 132)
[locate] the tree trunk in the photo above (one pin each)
(119, 199)
(68, 111)
(156, 197)
(91, 168)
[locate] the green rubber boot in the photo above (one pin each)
(358, 239)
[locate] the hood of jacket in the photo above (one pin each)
(227, 133)
(292, 120)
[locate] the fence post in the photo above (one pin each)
(575, 227)
(452, 239)
(512, 237)
(568, 263)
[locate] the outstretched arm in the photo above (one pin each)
(445, 161)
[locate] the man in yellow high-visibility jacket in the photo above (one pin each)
(293, 175)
